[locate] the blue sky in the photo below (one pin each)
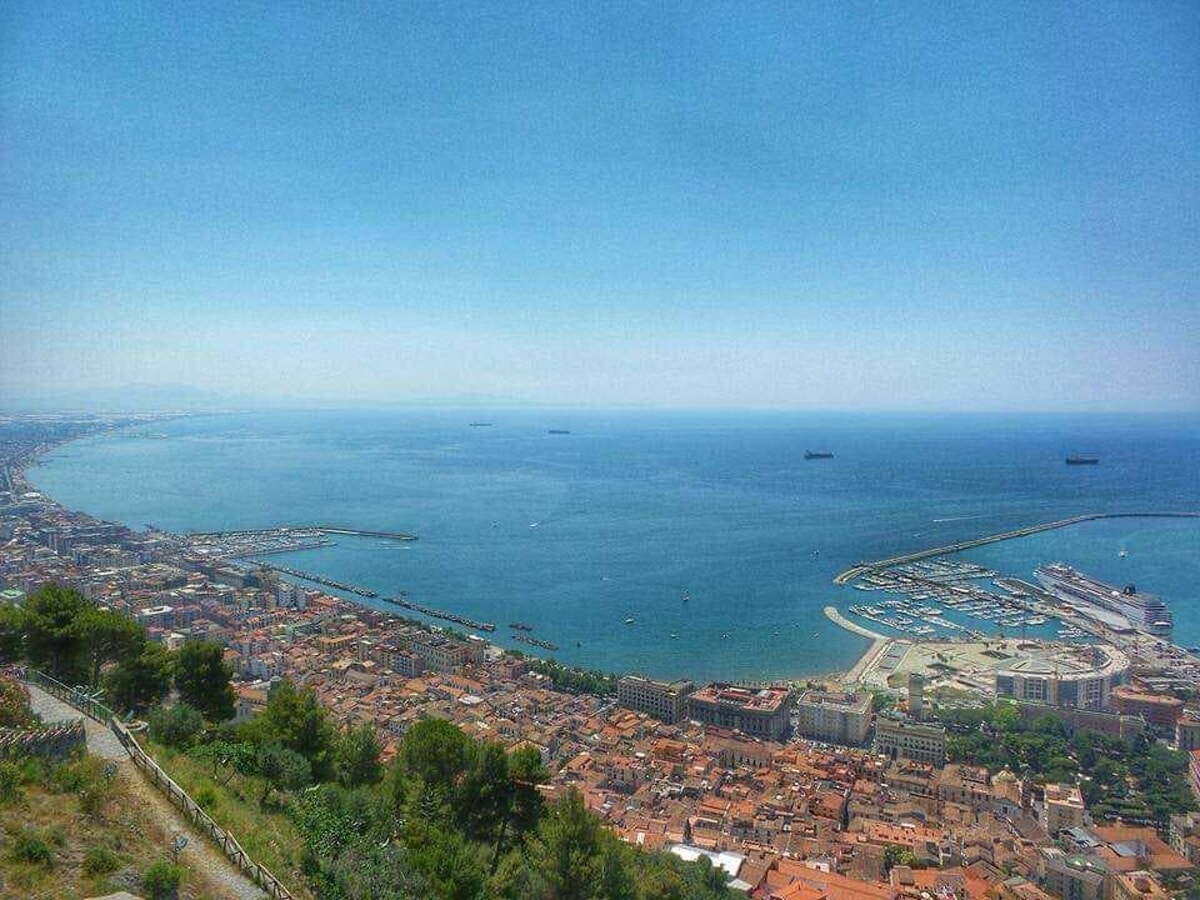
(870, 206)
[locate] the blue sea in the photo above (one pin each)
(574, 533)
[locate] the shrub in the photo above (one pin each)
(161, 880)
(30, 848)
(94, 797)
(34, 770)
(10, 782)
(100, 861)
(205, 797)
(77, 775)
(14, 704)
(176, 726)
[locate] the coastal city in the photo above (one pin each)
(860, 786)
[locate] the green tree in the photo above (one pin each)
(225, 758)
(371, 873)
(565, 855)
(1005, 717)
(52, 638)
(436, 752)
(202, 678)
(447, 862)
(12, 633)
(295, 719)
(484, 795)
(894, 855)
(107, 637)
(357, 756)
(141, 680)
(280, 769)
(176, 726)
(527, 772)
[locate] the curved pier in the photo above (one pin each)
(316, 529)
(860, 569)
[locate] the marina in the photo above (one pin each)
(860, 569)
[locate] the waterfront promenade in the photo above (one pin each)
(879, 645)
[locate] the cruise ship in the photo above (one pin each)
(1146, 612)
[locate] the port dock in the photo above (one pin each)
(313, 529)
(860, 569)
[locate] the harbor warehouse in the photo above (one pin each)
(759, 712)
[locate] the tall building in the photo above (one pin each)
(916, 695)
(833, 716)
(903, 739)
(666, 700)
(758, 712)
(1081, 677)
(1062, 808)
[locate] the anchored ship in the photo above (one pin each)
(1146, 612)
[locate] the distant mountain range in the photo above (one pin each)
(186, 398)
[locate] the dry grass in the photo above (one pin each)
(268, 835)
(47, 819)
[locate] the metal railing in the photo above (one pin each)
(93, 708)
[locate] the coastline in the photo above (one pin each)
(830, 669)
(18, 473)
(879, 645)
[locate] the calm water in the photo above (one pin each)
(575, 533)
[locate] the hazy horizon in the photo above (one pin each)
(864, 207)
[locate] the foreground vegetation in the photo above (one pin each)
(1138, 780)
(71, 828)
(449, 818)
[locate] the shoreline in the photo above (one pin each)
(19, 472)
(860, 666)
(880, 643)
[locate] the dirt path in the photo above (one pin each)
(199, 854)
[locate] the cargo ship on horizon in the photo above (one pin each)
(1083, 460)
(820, 454)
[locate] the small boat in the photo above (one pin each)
(629, 621)
(820, 454)
(1123, 553)
(1083, 460)
(481, 424)
(557, 431)
(674, 636)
